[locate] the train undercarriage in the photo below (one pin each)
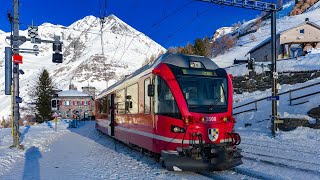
(207, 158)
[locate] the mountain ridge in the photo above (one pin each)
(125, 50)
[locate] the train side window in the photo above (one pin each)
(164, 102)
(132, 99)
(100, 105)
(121, 101)
(104, 105)
(109, 104)
(147, 99)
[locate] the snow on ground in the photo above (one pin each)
(296, 150)
(85, 153)
(39, 136)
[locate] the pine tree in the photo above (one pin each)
(202, 47)
(43, 94)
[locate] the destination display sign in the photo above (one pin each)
(198, 72)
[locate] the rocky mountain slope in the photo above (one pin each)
(125, 49)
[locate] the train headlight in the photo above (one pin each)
(225, 119)
(177, 129)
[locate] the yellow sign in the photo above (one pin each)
(55, 120)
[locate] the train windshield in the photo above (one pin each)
(204, 93)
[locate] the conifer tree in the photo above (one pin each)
(202, 47)
(43, 94)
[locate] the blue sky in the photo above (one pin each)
(187, 19)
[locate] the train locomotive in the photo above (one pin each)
(179, 108)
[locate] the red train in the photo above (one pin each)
(178, 107)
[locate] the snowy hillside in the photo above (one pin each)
(222, 31)
(245, 43)
(125, 50)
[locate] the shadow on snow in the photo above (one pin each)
(31, 164)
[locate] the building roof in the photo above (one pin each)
(266, 41)
(72, 93)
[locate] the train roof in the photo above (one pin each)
(180, 60)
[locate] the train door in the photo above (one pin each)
(111, 114)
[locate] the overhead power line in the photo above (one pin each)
(182, 27)
(157, 24)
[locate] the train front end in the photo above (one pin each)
(202, 96)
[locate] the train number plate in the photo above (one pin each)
(211, 119)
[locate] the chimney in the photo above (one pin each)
(307, 20)
(72, 87)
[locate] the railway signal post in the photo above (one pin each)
(272, 9)
(12, 54)
(15, 46)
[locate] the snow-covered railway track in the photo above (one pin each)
(298, 149)
(299, 165)
(232, 174)
(282, 154)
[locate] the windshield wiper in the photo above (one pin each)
(215, 103)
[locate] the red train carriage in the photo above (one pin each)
(178, 106)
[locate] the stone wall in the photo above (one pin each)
(262, 82)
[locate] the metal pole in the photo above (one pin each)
(101, 30)
(16, 73)
(274, 71)
(290, 97)
(55, 123)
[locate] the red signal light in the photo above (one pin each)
(17, 58)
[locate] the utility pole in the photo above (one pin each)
(16, 45)
(103, 13)
(12, 83)
(274, 116)
(102, 21)
(272, 9)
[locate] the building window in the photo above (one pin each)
(85, 103)
(132, 99)
(121, 102)
(147, 99)
(164, 102)
(301, 31)
(66, 103)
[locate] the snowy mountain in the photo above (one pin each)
(125, 49)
